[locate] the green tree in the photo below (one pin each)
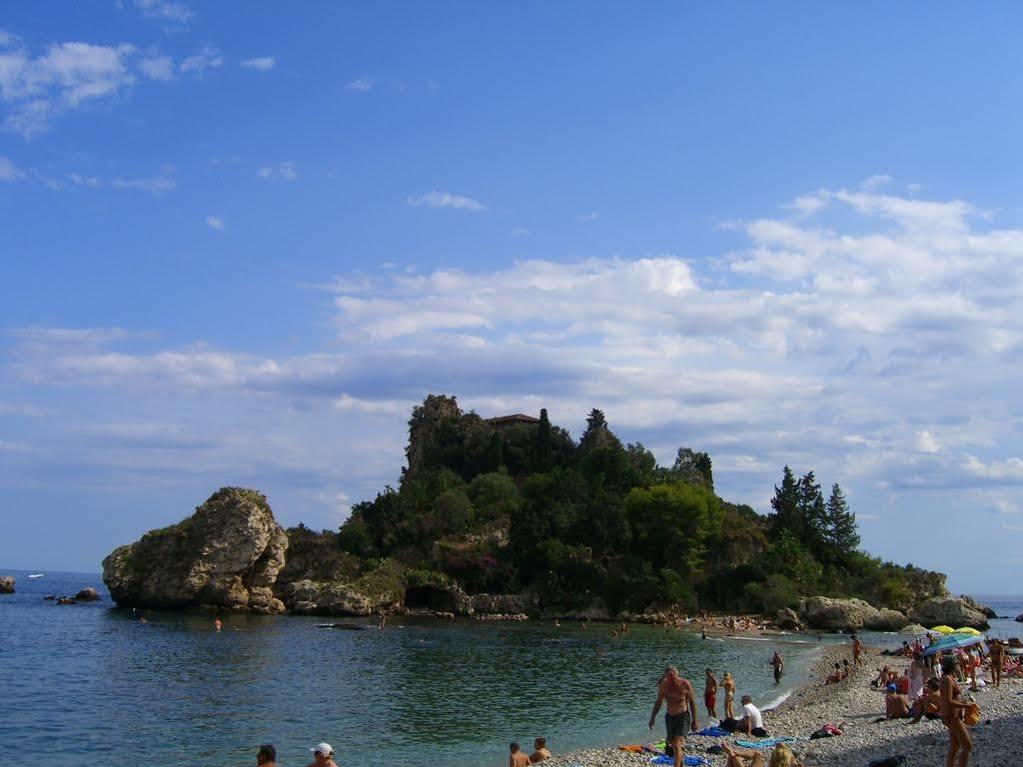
(493, 495)
(544, 455)
(786, 507)
(670, 524)
(597, 434)
(693, 468)
(842, 535)
(813, 515)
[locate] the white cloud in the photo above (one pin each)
(519, 232)
(261, 63)
(1010, 469)
(437, 199)
(288, 171)
(875, 182)
(158, 67)
(215, 222)
(9, 171)
(207, 58)
(926, 442)
(155, 185)
(586, 217)
(164, 10)
(361, 85)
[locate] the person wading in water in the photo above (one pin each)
(681, 715)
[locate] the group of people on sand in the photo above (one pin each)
(519, 758)
(681, 716)
(323, 756)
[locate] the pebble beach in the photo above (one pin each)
(998, 739)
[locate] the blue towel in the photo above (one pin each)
(713, 732)
(689, 761)
(765, 743)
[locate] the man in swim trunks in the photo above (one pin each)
(779, 666)
(710, 695)
(997, 653)
(681, 715)
(540, 751)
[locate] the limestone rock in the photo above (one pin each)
(839, 614)
(887, 620)
(6, 584)
(308, 597)
(950, 611)
(788, 620)
(971, 602)
(226, 555)
(87, 595)
(498, 604)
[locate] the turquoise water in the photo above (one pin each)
(91, 684)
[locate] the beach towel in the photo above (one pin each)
(713, 732)
(689, 761)
(765, 743)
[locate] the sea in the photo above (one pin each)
(92, 684)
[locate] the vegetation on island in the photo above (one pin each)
(516, 506)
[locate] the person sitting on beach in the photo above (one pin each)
(836, 676)
(540, 751)
(929, 704)
(883, 678)
(710, 695)
(902, 683)
(729, 685)
(681, 715)
(782, 756)
(896, 705)
(323, 755)
(517, 757)
(752, 722)
(266, 756)
(846, 668)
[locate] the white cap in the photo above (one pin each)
(322, 748)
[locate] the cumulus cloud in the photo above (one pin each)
(206, 59)
(437, 199)
(164, 10)
(215, 222)
(260, 64)
(38, 88)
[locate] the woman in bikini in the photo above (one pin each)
(729, 684)
(952, 710)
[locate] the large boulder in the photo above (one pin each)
(226, 555)
(499, 604)
(850, 615)
(971, 602)
(788, 620)
(308, 597)
(6, 584)
(1019, 618)
(949, 611)
(87, 594)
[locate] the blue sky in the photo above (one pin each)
(241, 240)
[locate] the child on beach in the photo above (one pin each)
(517, 757)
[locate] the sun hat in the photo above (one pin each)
(322, 748)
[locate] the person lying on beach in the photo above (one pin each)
(266, 756)
(681, 715)
(896, 705)
(846, 669)
(540, 751)
(782, 756)
(929, 704)
(752, 722)
(517, 757)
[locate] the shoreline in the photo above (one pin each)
(998, 740)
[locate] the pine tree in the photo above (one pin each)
(843, 538)
(544, 445)
(814, 515)
(597, 434)
(786, 506)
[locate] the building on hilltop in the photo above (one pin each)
(518, 419)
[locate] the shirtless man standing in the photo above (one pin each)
(681, 715)
(856, 650)
(779, 666)
(997, 652)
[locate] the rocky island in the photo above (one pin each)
(511, 518)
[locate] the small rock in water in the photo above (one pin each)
(6, 584)
(88, 594)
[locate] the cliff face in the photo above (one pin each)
(227, 555)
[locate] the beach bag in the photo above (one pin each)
(972, 715)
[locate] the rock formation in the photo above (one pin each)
(788, 620)
(1019, 618)
(6, 584)
(850, 614)
(226, 555)
(88, 594)
(951, 611)
(971, 602)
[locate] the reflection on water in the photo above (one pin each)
(93, 685)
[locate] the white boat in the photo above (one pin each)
(36, 575)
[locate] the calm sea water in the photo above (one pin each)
(91, 684)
